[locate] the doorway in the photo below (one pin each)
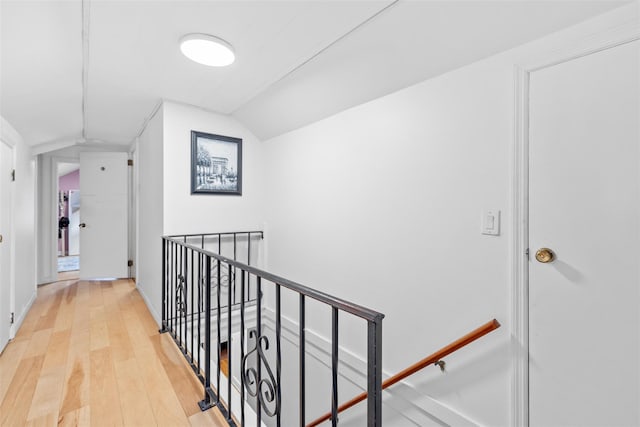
(68, 220)
(584, 240)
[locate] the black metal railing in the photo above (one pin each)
(203, 321)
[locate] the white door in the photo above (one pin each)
(584, 204)
(103, 215)
(6, 207)
(74, 222)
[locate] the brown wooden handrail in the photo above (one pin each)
(429, 360)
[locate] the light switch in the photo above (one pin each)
(491, 222)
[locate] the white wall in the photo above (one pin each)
(381, 204)
(198, 213)
(166, 205)
(150, 214)
(47, 218)
(24, 225)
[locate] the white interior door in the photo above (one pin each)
(74, 222)
(584, 204)
(6, 207)
(103, 215)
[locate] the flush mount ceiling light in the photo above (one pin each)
(207, 50)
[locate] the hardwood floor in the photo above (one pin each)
(89, 353)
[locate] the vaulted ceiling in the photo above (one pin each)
(78, 71)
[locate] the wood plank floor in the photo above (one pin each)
(89, 353)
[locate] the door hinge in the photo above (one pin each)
(13, 175)
(12, 319)
(130, 263)
(130, 162)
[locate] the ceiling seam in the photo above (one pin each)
(148, 119)
(321, 51)
(85, 63)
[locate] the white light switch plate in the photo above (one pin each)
(491, 222)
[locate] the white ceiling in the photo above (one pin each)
(67, 168)
(297, 61)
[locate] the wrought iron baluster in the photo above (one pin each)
(206, 402)
(229, 355)
(235, 248)
(301, 356)
(249, 263)
(193, 333)
(278, 353)
(200, 280)
(185, 296)
(219, 344)
(264, 389)
(173, 279)
(242, 272)
(258, 361)
(374, 373)
(180, 295)
(164, 285)
(334, 367)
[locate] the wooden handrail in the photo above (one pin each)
(429, 360)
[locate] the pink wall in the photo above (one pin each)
(70, 181)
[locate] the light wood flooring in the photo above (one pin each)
(89, 353)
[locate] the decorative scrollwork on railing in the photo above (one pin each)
(181, 304)
(225, 279)
(265, 390)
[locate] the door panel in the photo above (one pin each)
(103, 192)
(74, 222)
(584, 201)
(6, 207)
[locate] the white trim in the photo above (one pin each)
(16, 326)
(86, 17)
(518, 256)
(8, 134)
(148, 119)
(152, 310)
(49, 146)
(617, 34)
(9, 234)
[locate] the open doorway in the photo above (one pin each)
(68, 213)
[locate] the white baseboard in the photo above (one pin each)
(21, 316)
(152, 310)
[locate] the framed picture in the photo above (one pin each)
(216, 164)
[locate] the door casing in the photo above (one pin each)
(7, 273)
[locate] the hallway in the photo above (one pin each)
(89, 353)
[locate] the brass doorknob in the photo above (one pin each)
(545, 255)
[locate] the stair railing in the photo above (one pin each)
(433, 359)
(192, 311)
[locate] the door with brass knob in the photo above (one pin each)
(545, 255)
(583, 225)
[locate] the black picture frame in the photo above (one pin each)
(216, 164)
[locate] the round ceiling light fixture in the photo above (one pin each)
(207, 50)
